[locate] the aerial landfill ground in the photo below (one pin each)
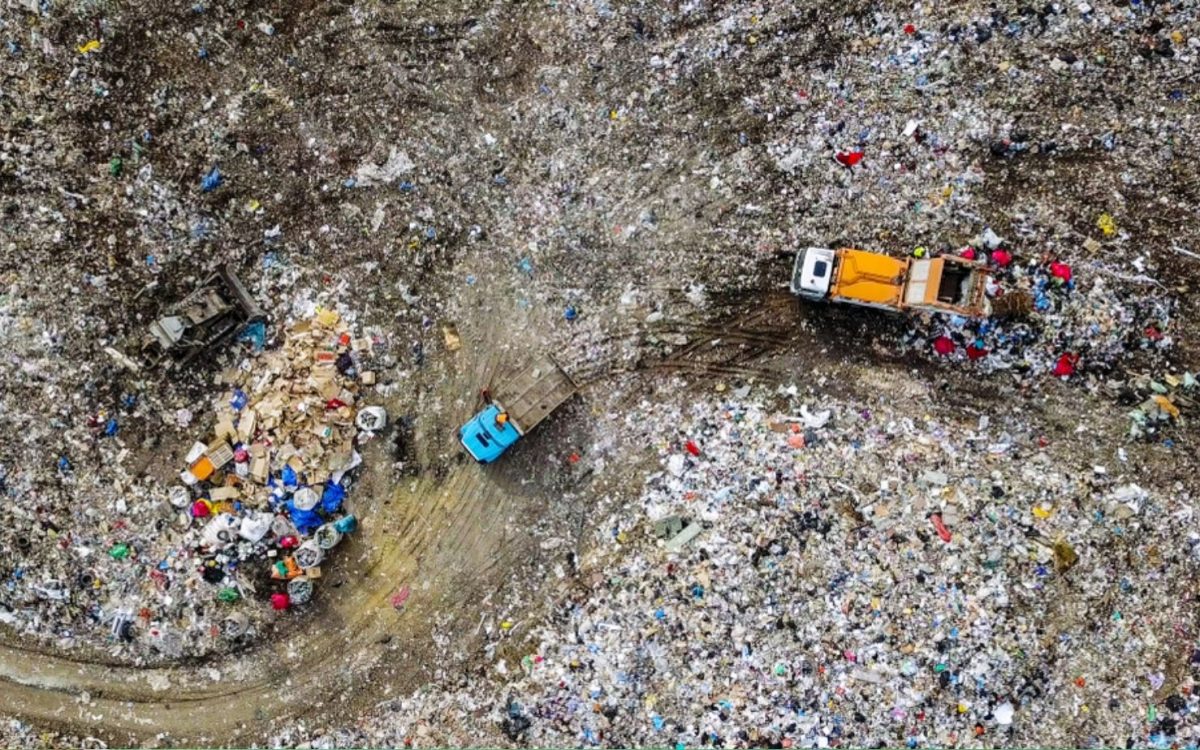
(588, 373)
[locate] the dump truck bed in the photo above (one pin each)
(869, 278)
(948, 284)
(534, 392)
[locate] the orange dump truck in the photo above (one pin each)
(946, 284)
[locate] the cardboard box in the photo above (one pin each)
(259, 469)
(245, 426)
(219, 453)
(225, 429)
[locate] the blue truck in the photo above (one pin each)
(517, 405)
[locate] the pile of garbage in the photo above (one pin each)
(1046, 320)
(1160, 402)
(849, 575)
(563, 161)
(270, 481)
(111, 556)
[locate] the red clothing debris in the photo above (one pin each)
(1060, 270)
(280, 602)
(848, 158)
(400, 597)
(200, 509)
(692, 448)
(943, 345)
(968, 253)
(1065, 367)
(910, 29)
(1001, 257)
(942, 531)
(974, 352)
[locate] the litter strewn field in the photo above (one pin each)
(761, 521)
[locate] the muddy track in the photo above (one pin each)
(745, 338)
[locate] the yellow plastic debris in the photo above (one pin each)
(506, 625)
(328, 318)
(1107, 225)
(90, 47)
(1042, 512)
(1165, 404)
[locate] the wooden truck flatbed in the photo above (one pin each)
(531, 394)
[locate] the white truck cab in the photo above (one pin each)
(813, 272)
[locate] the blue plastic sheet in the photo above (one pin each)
(239, 400)
(331, 498)
(211, 181)
(306, 521)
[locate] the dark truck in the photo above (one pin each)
(209, 317)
